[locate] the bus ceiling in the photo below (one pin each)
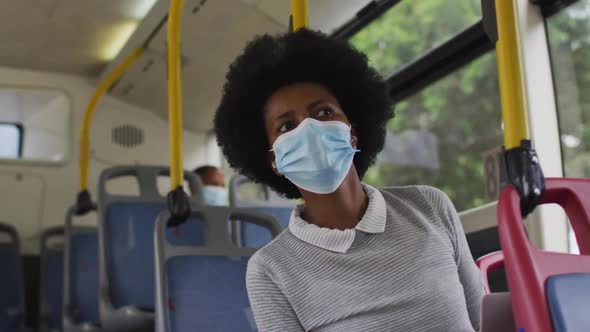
(204, 71)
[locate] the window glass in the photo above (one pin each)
(411, 28)
(10, 136)
(45, 117)
(568, 33)
(441, 136)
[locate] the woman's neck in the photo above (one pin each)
(342, 209)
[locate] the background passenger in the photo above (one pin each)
(305, 114)
(213, 182)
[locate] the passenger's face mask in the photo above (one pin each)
(215, 195)
(316, 156)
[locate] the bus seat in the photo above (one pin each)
(254, 236)
(51, 276)
(496, 308)
(126, 226)
(568, 296)
(496, 313)
(269, 202)
(215, 271)
(12, 300)
(80, 300)
(548, 289)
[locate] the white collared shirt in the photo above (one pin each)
(373, 222)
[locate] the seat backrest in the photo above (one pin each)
(215, 271)
(569, 297)
(80, 299)
(126, 228)
(12, 301)
(255, 236)
(251, 235)
(51, 276)
(531, 270)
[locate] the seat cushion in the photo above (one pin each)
(568, 296)
(208, 293)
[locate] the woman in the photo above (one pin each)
(306, 115)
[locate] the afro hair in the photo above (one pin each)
(269, 63)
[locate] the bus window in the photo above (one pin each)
(44, 117)
(11, 135)
(568, 32)
(441, 135)
(410, 28)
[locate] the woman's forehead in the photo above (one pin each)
(296, 96)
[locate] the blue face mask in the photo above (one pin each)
(316, 156)
(215, 195)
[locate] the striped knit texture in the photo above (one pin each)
(418, 275)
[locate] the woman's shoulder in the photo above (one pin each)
(419, 194)
(426, 203)
(266, 258)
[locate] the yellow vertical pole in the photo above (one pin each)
(104, 86)
(514, 110)
(299, 14)
(175, 93)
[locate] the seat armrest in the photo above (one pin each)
(490, 263)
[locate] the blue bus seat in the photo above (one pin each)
(51, 276)
(126, 226)
(81, 261)
(130, 236)
(219, 280)
(12, 301)
(568, 296)
(254, 236)
(84, 261)
(269, 202)
(203, 288)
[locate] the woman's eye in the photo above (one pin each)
(324, 111)
(285, 127)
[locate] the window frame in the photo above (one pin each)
(372, 11)
(451, 55)
(21, 132)
(552, 7)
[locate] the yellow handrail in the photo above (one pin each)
(514, 108)
(104, 86)
(175, 94)
(299, 14)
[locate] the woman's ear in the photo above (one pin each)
(271, 160)
(354, 136)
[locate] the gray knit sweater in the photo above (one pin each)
(405, 267)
